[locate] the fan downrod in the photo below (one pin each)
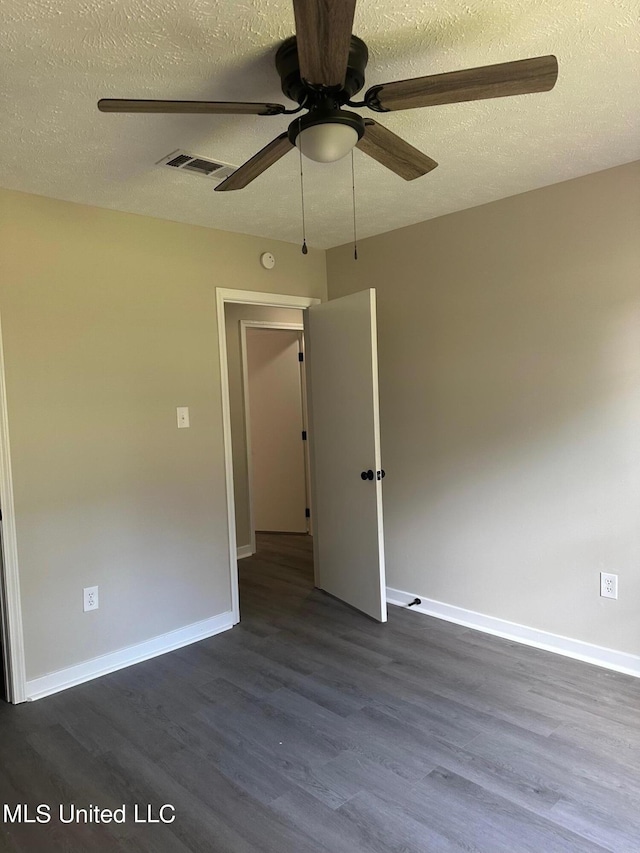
(297, 89)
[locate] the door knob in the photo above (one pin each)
(380, 474)
(367, 475)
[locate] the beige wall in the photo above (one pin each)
(109, 324)
(277, 450)
(234, 313)
(509, 339)
(510, 399)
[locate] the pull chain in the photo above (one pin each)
(304, 229)
(353, 192)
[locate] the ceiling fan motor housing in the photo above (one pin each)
(297, 89)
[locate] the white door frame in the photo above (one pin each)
(264, 324)
(10, 606)
(246, 297)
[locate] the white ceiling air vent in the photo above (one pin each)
(197, 165)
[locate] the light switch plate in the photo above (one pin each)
(183, 417)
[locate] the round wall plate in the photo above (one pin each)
(267, 260)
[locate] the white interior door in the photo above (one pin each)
(344, 433)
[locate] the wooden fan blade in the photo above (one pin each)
(121, 105)
(491, 81)
(258, 164)
(323, 36)
(393, 152)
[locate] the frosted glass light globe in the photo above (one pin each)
(326, 143)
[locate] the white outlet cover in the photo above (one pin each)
(90, 598)
(608, 585)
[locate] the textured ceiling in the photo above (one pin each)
(57, 57)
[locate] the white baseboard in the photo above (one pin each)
(577, 649)
(244, 551)
(54, 682)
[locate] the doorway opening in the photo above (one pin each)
(267, 398)
(266, 463)
(344, 445)
(275, 426)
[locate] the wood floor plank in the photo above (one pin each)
(197, 827)
(380, 818)
(470, 818)
(30, 778)
(357, 733)
(350, 774)
(595, 823)
(309, 728)
(339, 833)
(571, 770)
(259, 826)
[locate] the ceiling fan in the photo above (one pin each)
(322, 68)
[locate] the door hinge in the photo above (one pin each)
(300, 356)
(304, 435)
(307, 513)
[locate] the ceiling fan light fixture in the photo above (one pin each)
(326, 135)
(326, 143)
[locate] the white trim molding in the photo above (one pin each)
(244, 551)
(578, 649)
(10, 604)
(245, 297)
(54, 682)
(271, 324)
(256, 297)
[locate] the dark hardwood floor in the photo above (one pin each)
(311, 729)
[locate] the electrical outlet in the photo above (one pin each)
(91, 601)
(608, 585)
